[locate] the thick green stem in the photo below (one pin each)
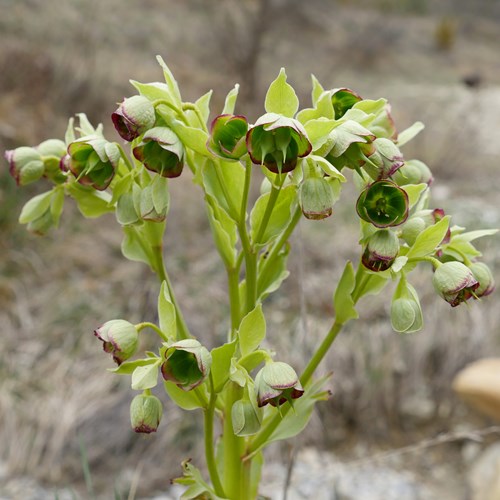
(273, 196)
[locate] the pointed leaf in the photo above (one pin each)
(342, 301)
(146, 376)
(187, 400)
(281, 97)
(230, 102)
(408, 134)
(166, 313)
(429, 239)
(252, 330)
(35, 207)
(221, 361)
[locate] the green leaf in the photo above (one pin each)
(192, 138)
(166, 313)
(128, 367)
(318, 130)
(230, 101)
(69, 135)
(399, 263)
(122, 186)
(146, 376)
(91, 203)
(408, 134)
(342, 301)
(224, 232)
(429, 239)
(169, 79)
(279, 218)
(317, 90)
(198, 488)
(414, 192)
(473, 235)
(203, 104)
(160, 193)
(252, 330)
(221, 361)
(57, 204)
(275, 274)
(254, 359)
(132, 247)
(237, 373)
(35, 207)
(281, 98)
(327, 167)
(187, 400)
(154, 91)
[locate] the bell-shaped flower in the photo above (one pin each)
(25, 165)
(316, 198)
(383, 203)
(276, 383)
(186, 363)
(455, 282)
(145, 413)
(119, 338)
(276, 142)
(486, 281)
(406, 315)
(161, 151)
(228, 137)
(92, 160)
(385, 160)
(133, 117)
(381, 250)
(343, 99)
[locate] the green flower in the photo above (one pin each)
(381, 250)
(25, 165)
(316, 198)
(228, 137)
(276, 142)
(343, 99)
(383, 203)
(276, 384)
(455, 282)
(486, 281)
(133, 117)
(119, 338)
(145, 413)
(161, 151)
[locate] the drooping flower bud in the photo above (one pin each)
(412, 228)
(486, 281)
(161, 151)
(343, 99)
(25, 165)
(119, 338)
(52, 151)
(145, 413)
(381, 250)
(276, 142)
(316, 198)
(228, 137)
(406, 315)
(454, 282)
(383, 203)
(133, 117)
(245, 417)
(187, 363)
(413, 172)
(276, 383)
(385, 160)
(93, 161)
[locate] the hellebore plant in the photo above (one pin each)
(248, 398)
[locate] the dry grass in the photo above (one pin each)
(54, 388)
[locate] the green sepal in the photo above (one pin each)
(252, 330)
(342, 301)
(167, 316)
(187, 400)
(221, 362)
(246, 416)
(281, 97)
(429, 239)
(146, 376)
(126, 212)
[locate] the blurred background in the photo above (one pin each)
(64, 420)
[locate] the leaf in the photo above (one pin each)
(154, 91)
(252, 330)
(35, 207)
(327, 167)
(132, 248)
(399, 263)
(203, 104)
(160, 193)
(166, 313)
(473, 235)
(275, 274)
(221, 361)
(91, 203)
(318, 130)
(187, 400)
(317, 90)
(279, 218)
(342, 301)
(169, 79)
(281, 97)
(192, 138)
(414, 192)
(408, 134)
(128, 367)
(198, 488)
(254, 359)
(57, 204)
(146, 376)
(429, 239)
(237, 373)
(230, 101)
(224, 232)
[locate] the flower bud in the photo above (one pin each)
(228, 137)
(133, 117)
(25, 165)
(381, 250)
(386, 159)
(145, 413)
(161, 151)
(413, 172)
(486, 281)
(276, 384)
(383, 203)
(406, 315)
(41, 225)
(454, 282)
(93, 161)
(187, 364)
(316, 198)
(412, 228)
(119, 338)
(277, 142)
(52, 151)
(343, 99)
(245, 417)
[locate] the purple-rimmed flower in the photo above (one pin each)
(384, 161)
(145, 413)
(133, 117)
(228, 136)
(92, 160)
(186, 363)
(381, 250)
(455, 282)
(486, 281)
(161, 151)
(343, 99)
(384, 204)
(316, 198)
(119, 338)
(276, 142)
(25, 165)
(276, 383)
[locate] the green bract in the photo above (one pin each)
(161, 151)
(384, 204)
(276, 142)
